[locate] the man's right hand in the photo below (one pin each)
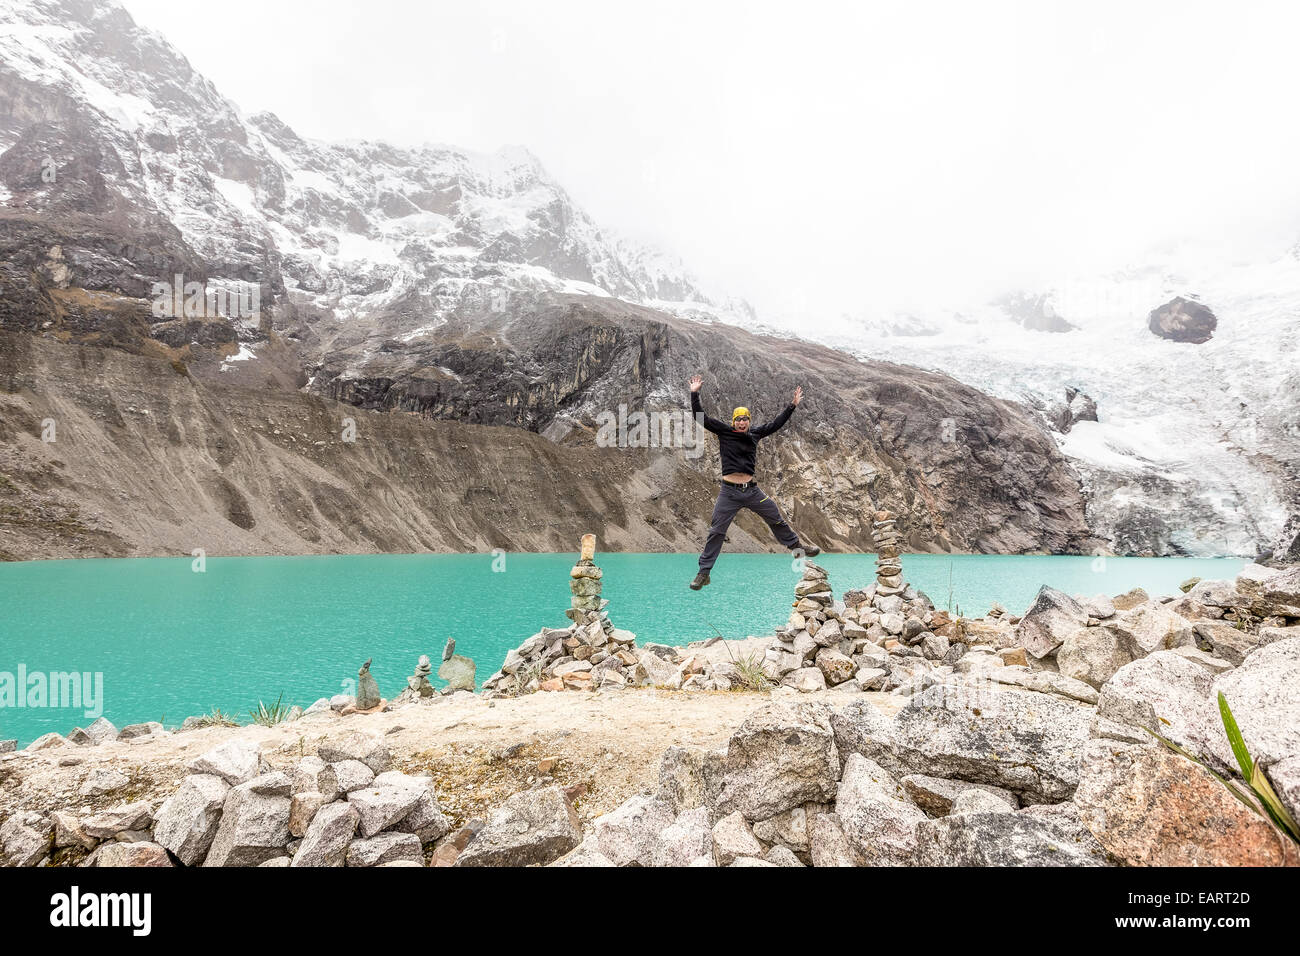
(696, 382)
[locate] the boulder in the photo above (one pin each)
(1233, 644)
(998, 839)
(142, 853)
(1283, 589)
(1264, 695)
(68, 831)
(827, 843)
(133, 731)
(1099, 606)
(790, 829)
(933, 647)
(100, 732)
(686, 839)
(1151, 807)
(187, 821)
(385, 848)
(781, 756)
(1094, 654)
(657, 671)
(1066, 817)
(531, 827)
(1130, 599)
(1025, 742)
(628, 834)
(1052, 617)
(26, 838)
(1165, 693)
(836, 668)
(306, 776)
(379, 807)
(125, 818)
(686, 777)
(342, 777)
(981, 801)
(782, 856)
(732, 838)
(1207, 662)
(303, 808)
(329, 836)
(357, 745)
(101, 781)
(425, 819)
(806, 680)
(254, 827)
(235, 761)
(860, 728)
(876, 815)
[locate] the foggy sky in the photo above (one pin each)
(819, 159)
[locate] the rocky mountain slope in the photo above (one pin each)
(462, 298)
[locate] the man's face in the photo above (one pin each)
(740, 424)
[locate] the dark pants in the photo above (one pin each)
(731, 499)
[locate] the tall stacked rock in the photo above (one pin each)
(889, 562)
(590, 652)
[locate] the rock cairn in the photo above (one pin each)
(887, 636)
(590, 652)
(368, 698)
(814, 649)
(418, 683)
(889, 562)
(456, 669)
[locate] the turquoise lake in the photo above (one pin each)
(171, 642)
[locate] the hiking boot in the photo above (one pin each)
(811, 550)
(701, 579)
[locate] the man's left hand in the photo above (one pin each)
(798, 394)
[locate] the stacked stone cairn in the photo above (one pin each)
(591, 652)
(889, 562)
(887, 636)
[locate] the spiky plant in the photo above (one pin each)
(266, 716)
(1261, 798)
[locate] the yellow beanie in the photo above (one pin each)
(741, 412)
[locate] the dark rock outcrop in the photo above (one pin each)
(1183, 320)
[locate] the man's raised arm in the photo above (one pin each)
(758, 431)
(711, 424)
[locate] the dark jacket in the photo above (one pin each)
(738, 449)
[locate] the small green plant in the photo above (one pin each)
(750, 673)
(217, 718)
(1261, 798)
(265, 716)
(749, 669)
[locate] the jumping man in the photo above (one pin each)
(738, 446)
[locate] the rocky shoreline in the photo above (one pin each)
(887, 733)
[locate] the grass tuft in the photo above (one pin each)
(265, 716)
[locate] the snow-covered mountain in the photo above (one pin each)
(380, 267)
(1195, 448)
(352, 227)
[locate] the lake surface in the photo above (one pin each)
(171, 643)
